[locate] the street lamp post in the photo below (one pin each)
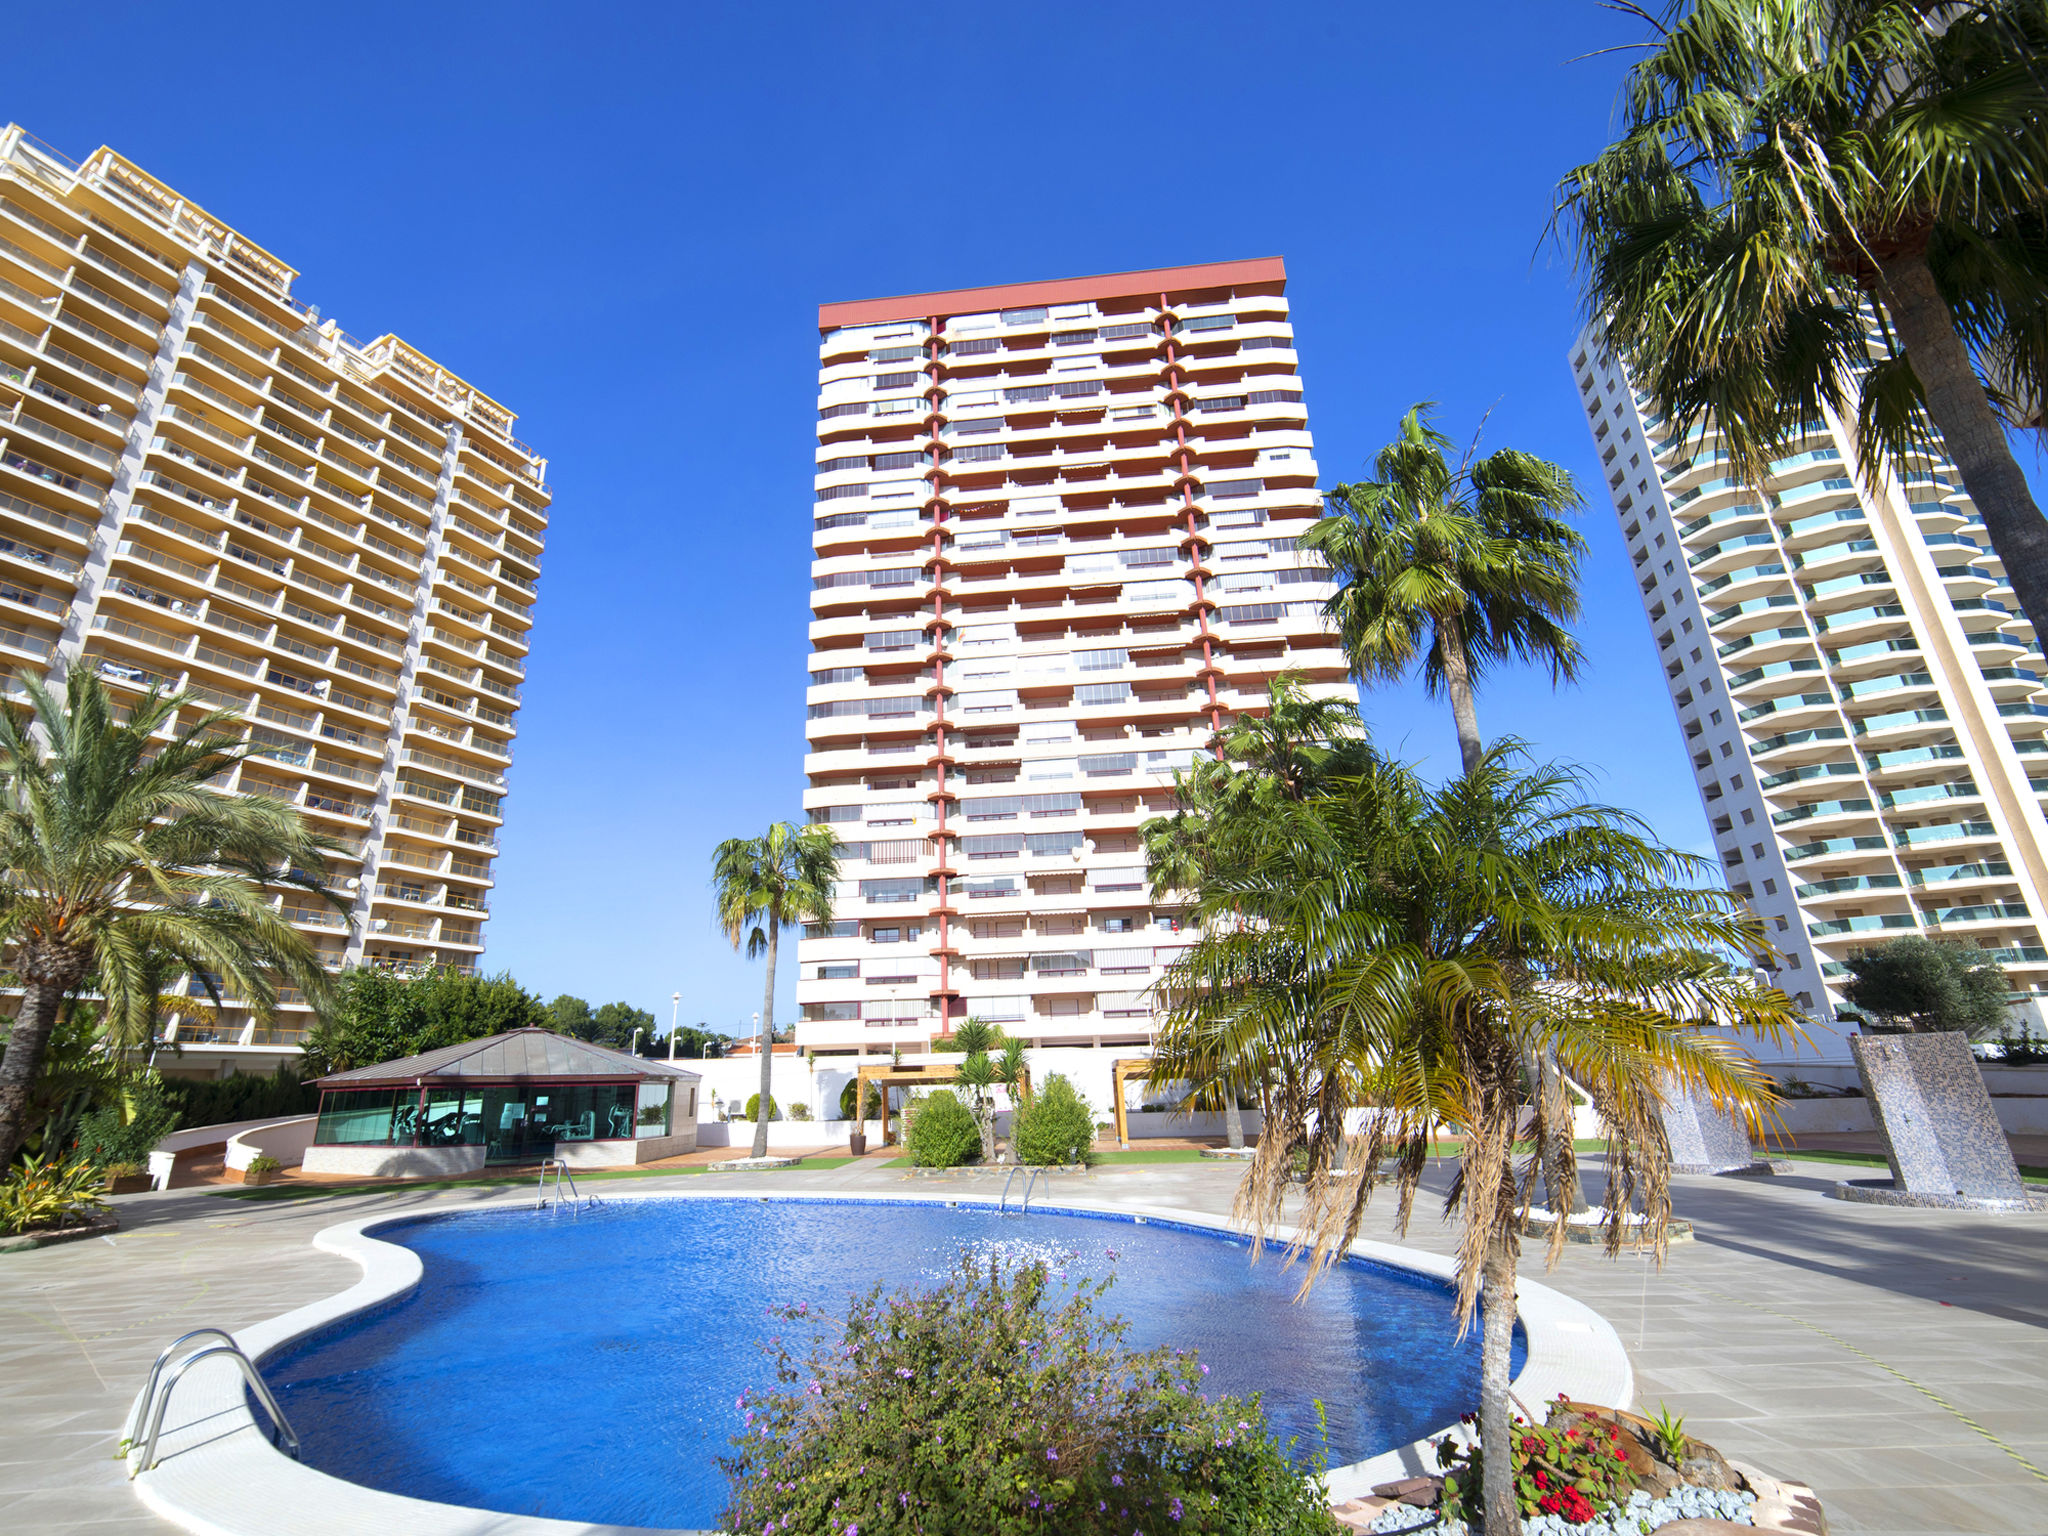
(633, 1047)
(675, 1003)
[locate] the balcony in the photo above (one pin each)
(1990, 912)
(1810, 772)
(1847, 884)
(1823, 809)
(1875, 923)
(1764, 638)
(1919, 837)
(1832, 847)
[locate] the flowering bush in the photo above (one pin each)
(1574, 1472)
(1001, 1403)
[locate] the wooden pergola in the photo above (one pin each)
(885, 1075)
(1122, 1071)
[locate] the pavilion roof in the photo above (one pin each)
(519, 1054)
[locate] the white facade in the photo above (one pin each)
(1859, 692)
(1055, 537)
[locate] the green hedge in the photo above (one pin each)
(942, 1131)
(1054, 1125)
(754, 1108)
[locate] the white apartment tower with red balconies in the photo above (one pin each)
(1055, 553)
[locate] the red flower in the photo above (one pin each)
(1542, 1478)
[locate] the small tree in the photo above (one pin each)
(1056, 1126)
(942, 1132)
(1916, 985)
(871, 1103)
(754, 1108)
(984, 1073)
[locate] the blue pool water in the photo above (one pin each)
(585, 1366)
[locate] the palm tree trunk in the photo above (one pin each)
(41, 998)
(1233, 1122)
(767, 1040)
(1974, 436)
(1496, 1426)
(1450, 640)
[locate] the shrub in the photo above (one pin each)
(1055, 1125)
(128, 1129)
(263, 1162)
(39, 1194)
(871, 1105)
(754, 1107)
(1574, 1472)
(245, 1096)
(799, 1111)
(942, 1132)
(998, 1404)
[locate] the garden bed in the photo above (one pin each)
(46, 1237)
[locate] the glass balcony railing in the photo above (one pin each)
(1873, 923)
(1914, 837)
(1978, 869)
(1849, 883)
(1822, 808)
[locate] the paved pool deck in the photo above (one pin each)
(1897, 1360)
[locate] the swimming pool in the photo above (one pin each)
(585, 1367)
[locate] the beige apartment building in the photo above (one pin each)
(206, 486)
(1860, 694)
(1055, 553)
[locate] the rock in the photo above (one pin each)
(1704, 1467)
(1421, 1492)
(1705, 1528)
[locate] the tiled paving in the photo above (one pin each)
(1896, 1360)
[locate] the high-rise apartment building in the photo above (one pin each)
(205, 486)
(1859, 692)
(1055, 552)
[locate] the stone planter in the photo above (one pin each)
(258, 1175)
(857, 1143)
(128, 1184)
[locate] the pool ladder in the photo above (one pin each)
(149, 1408)
(560, 1169)
(1031, 1177)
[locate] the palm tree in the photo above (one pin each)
(114, 854)
(1820, 204)
(763, 885)
(1291, 750)
(1405, 950)
(1467, 566)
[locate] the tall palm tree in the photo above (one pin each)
(1836, 206)
(1465, 565)
(114, 853)
(1286, 753)
(1405, 950)
(763, 885)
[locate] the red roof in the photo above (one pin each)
(1064, 290)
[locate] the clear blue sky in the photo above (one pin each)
(620, 220)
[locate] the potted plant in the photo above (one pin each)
(261, 1170)
(126, 1178)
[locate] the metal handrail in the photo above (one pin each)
(282, 1435)
(156, 1371)
(561, 1171)
(1002, 1205)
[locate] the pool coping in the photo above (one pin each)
(219, 1475)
